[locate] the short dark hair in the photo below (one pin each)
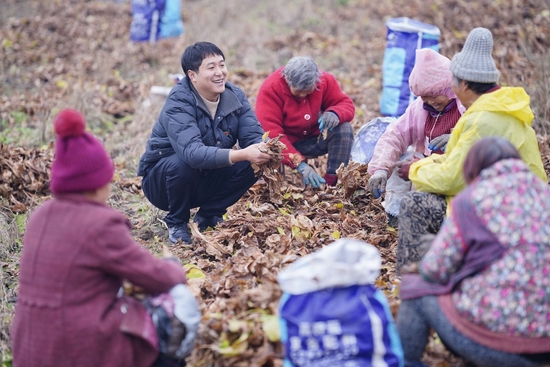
(484, 153)
(478, 88)
(194, 54)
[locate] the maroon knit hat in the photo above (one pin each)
(80, 163)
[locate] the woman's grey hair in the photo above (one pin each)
(301, 73)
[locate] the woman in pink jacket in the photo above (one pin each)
(425, 126)
(310, 110)
(76, 252)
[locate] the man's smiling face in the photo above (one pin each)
(211, 78)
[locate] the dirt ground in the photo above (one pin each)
(77, 54)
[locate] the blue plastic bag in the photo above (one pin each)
(367, 137)
(403, 37)
(330, 314)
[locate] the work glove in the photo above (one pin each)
(439, 143)
(377, 183)
(329, 120)
(310, 176)
(403, 167)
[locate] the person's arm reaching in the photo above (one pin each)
(252, 153)
(336, 101)
(123, 257)
(399, 135)
(442, 174)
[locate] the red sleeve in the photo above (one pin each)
(335, 100)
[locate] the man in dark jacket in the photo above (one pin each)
(189, 161)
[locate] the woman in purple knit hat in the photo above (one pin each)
(76, 252)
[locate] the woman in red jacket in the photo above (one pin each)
(310, 110)
(76, 252)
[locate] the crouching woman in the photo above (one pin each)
(76, 253)
(484, 284)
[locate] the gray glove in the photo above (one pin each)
(439, 143)
(377, 183)
(310, 176)
(329, 120)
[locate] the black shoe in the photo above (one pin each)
(393, 221)
(179, 232)
(204, 223)
(164, 361)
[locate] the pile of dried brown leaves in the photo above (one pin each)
(234, 271)
(25, 175)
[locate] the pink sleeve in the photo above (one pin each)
(399, 135)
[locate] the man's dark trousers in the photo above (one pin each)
(174, 186)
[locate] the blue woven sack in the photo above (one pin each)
(404, 37)
(146, 17)
(330, 314)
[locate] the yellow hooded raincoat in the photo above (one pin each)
(504, 112)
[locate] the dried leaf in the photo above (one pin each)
(270, 326)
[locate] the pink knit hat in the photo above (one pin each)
(80, 163)
(431, 74)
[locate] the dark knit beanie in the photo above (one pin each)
(80, 162)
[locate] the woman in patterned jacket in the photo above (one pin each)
(483, 285)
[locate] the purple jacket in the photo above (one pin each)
(76, 253)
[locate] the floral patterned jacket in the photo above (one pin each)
(511, 296)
